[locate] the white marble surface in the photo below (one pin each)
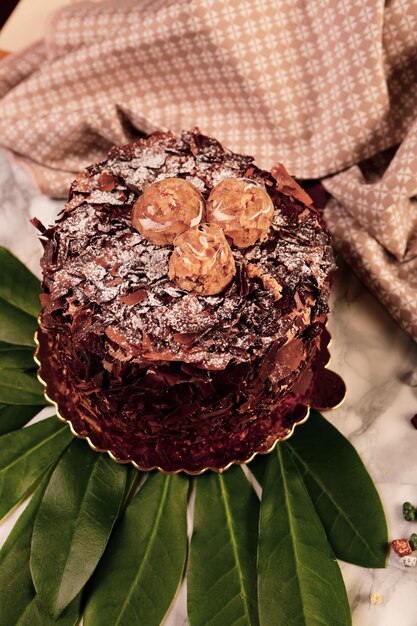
(371, 353)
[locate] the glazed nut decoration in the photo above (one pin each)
(167, 208)
(242, 208)
(202, 260)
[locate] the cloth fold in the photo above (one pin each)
(328, 88)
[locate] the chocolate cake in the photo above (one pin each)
(183, 340)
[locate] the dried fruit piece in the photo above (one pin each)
(409, 512)
(242, 208)
(409, 561)
(401, 547)
(166, 209)
(202, 260)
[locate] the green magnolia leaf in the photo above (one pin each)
(221, 578)
(16, 357)
(18, 286)
(342, 492)
(73, 524)
(35, 615)
(133, 478)
(299, 581)
(142, 567)
(20, 388)
(14, 417)
(19, 605)
(25, 455)
(16, 327)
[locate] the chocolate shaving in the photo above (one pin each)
(83, 183)
(288, 186)
(135, 297)
(186, 338)
(44, 298)
(119, 339)
(37, 224)
(106, 181)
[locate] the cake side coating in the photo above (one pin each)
(161, 370)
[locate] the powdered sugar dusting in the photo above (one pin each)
(101, 260)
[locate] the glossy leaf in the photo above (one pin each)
(25, 455)
(18, 286)
(19, 605)
(299, 581)
(16, 357)
(138, 576)
(342, 491)
(20, 388)
(13, 417)
(221, 579)
(133, 478)
(16, 327)
(74, 522)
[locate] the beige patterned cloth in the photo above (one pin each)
(323, 86)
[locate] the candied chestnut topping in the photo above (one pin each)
(242, 208)
(167, 208)
(202, 260)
